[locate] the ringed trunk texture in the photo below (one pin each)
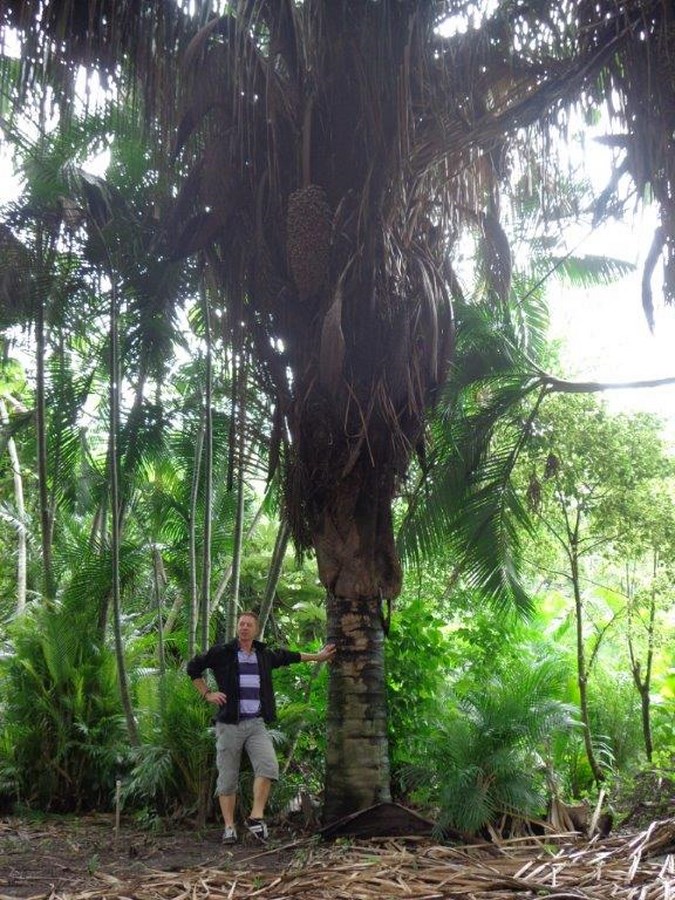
(359, 567)
(357, 754)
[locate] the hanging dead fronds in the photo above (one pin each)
(650, 264)
(642, 75)
(16, 263)
(332, 352)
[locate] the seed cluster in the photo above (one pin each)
(308, 237)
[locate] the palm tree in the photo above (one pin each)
(42, 287)
(334, 150)
(487, 759)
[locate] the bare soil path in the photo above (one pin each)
(67, 855)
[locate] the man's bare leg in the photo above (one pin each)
(228, 803)
(261, 791)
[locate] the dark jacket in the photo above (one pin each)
(223, 662)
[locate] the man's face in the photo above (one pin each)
(247, 628)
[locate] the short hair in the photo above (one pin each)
(251, 614)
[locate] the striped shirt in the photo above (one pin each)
(249, 685)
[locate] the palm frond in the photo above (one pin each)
(465, 504)
(485, 759)
(590, 271)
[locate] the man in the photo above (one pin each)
(245, 700)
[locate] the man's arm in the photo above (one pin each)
(326, 654)
(217, 697)
(195, 669)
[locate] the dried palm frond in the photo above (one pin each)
(332, 351)
(16, 263)
(650, 264)
(556, 865)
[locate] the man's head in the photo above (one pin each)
(248, 627)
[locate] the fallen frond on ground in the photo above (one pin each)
(558, 867)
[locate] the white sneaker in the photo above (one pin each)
(230, 835)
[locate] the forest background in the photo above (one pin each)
(540, 668)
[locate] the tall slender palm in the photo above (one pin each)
(114, 394)
(205, 595)
(21, 530)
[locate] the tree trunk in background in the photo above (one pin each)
(238, 434)
(295, 738)
(205, 594)
(159, 584)
(645, 695)
(115, 524)
(274, 574)
(20, 515)
(98, 538)
(192, 531)
(227, 574)
(582, 672)
(55, 434)
(233, 601)
(643, 684)
(41, 428)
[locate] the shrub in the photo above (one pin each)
(62, 727)
(487, 757)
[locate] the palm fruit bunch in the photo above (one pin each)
(308, 236)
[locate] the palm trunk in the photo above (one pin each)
(239, 416)
(204, 606)
(41, 423)
(357, 755)
(357, 562)
(20, 515)
(192, 527)
(115, 524)
(274, 574)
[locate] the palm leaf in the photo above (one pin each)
(465, 504)
(591, 271)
